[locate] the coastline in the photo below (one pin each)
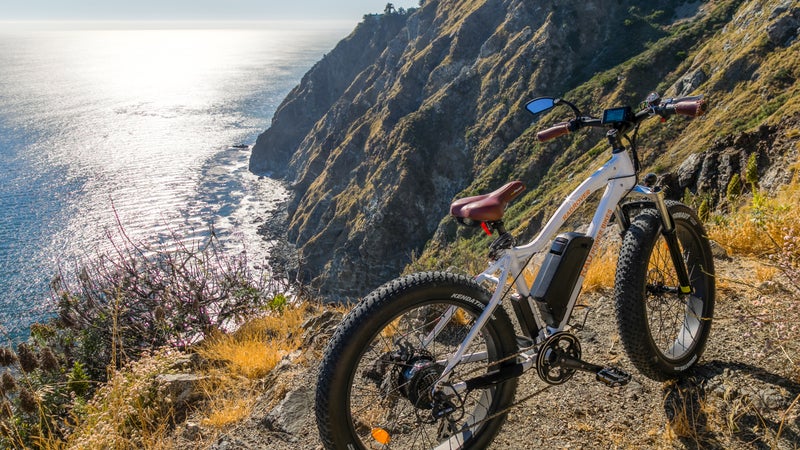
(137, 121)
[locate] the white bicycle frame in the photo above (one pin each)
(618, 177)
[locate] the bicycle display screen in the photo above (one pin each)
(617, 115)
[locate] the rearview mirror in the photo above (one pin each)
(540, 104)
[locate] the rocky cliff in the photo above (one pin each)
(411, 110)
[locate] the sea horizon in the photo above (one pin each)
(185, 24)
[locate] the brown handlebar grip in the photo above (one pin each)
(693, 108)
(553, 132)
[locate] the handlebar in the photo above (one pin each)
(687, 106)
(553, 132)
(692, 108)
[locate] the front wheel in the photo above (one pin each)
(663, 330)
(374, 388)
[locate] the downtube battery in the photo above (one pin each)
(559, 273)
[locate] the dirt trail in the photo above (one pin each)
(745, 392)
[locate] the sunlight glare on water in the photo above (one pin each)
(139, 120)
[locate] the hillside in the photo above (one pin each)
(411, 111)
(186, 347)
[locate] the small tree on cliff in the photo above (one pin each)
(389, 9)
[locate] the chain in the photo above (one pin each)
(511, 406)
(494, 363)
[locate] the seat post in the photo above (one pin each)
(498, 226)
(504, 239)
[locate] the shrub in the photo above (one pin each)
(128, 411)
(751, 171)
(34, 401)
(734, 189)
(141, 298)
(764, 227)
(704, 210)
(110, 312)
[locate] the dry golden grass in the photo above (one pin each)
(686, 412)
(602, 270)
(243, 358)
(230, 409)
(764, 273)
(255, 348)
(759, 228)
(741, 236)
(787, 414)
(124, 413)
(766, 232)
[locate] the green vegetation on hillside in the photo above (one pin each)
(712, 49)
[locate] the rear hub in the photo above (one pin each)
(418, 379)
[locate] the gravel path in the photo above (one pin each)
(745, 392)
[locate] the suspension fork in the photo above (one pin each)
(671, 236)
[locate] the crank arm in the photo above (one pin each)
(563, 360)
(611, 376)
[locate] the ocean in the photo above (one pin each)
(137, 123)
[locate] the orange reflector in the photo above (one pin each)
(381, 435)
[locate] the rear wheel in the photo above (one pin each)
(376, 378)
(664, 331)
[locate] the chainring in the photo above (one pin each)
(561, 343)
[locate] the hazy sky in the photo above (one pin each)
(193, 9)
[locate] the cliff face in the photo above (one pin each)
(319, 89)
(410, 110)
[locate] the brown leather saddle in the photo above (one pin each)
(487, 207)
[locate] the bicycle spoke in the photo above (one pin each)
(380, 394)
(673, 317)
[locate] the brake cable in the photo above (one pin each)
(632, 143)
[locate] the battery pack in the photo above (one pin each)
(524, 313)
(559, 273)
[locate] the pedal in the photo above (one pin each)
(613, 376)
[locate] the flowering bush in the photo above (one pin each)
(139, 298)
(125, 304)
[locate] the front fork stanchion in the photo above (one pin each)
(671, 237)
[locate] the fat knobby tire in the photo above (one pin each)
(369, 317)
(634, 288)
